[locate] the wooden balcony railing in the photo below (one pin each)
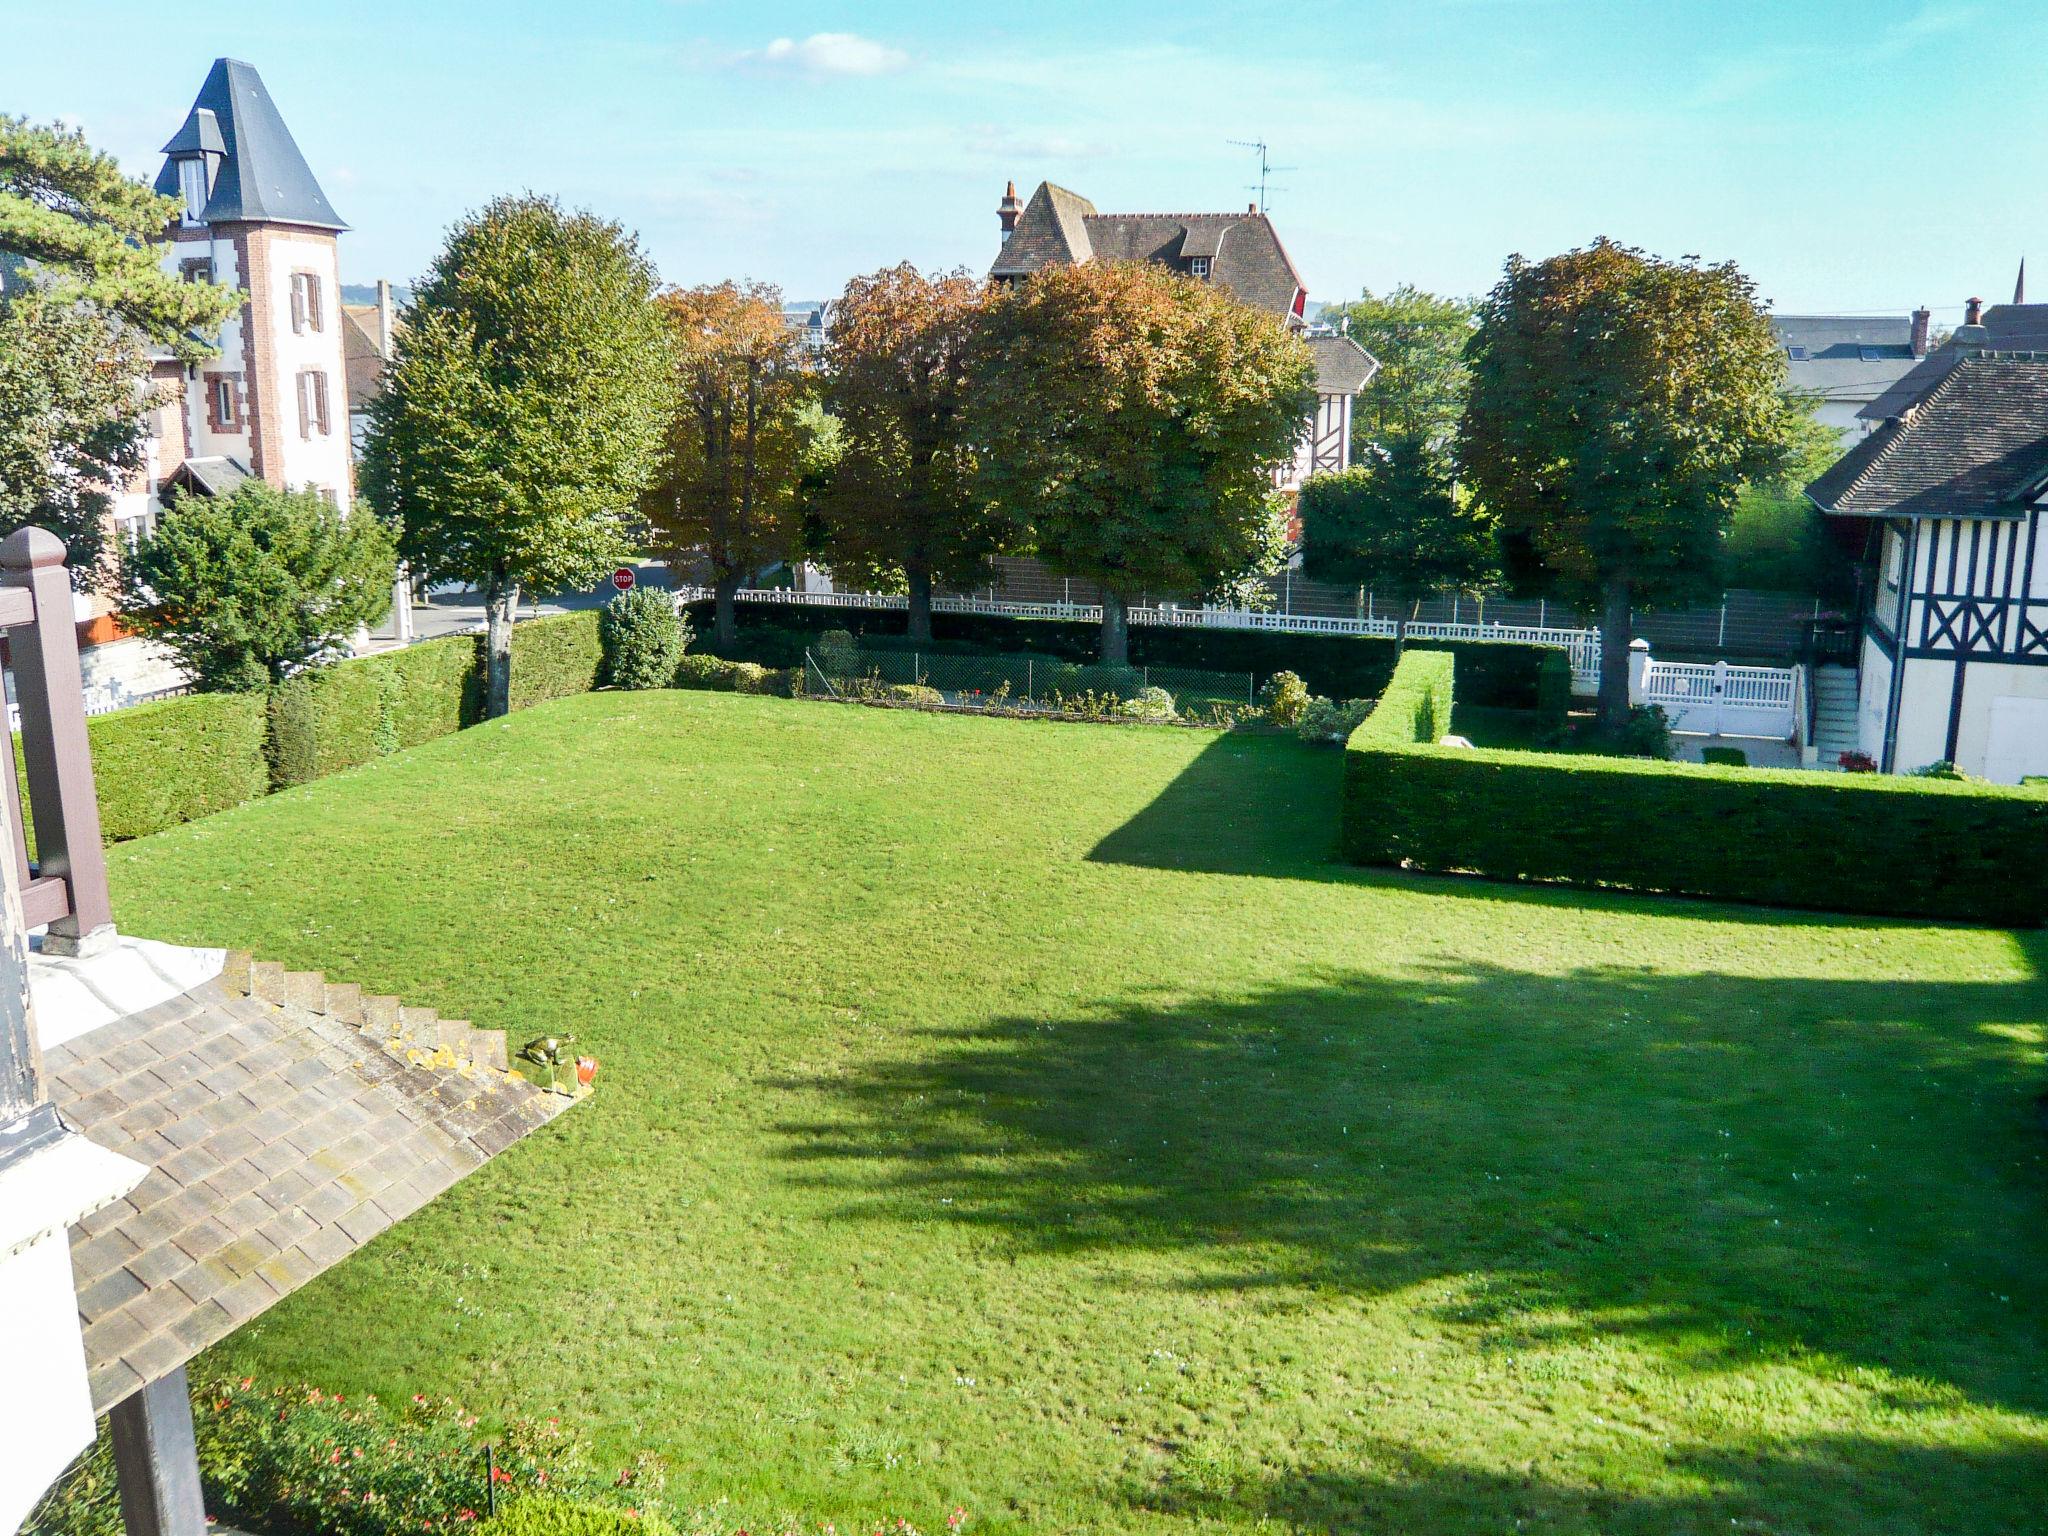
(66, 885)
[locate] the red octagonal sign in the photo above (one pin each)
(622, 578)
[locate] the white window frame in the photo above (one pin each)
(192, 182)
(1198, 266)
(307, 312)
(314, 417)
(226, 402)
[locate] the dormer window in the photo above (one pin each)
(192, 183)
(1198, 266)
(1797, 354)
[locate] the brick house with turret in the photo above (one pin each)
(1240, 252)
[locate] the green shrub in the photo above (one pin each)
(296, 1461)
(1786, 837)
(555, 658)
(156, 765)
(1285, 699)
(697, 670)
(642, 637)
(558, 1517)
(1726, 757)
(1942, 770)
(1150, 704)
(914, 693)
(1325, 720)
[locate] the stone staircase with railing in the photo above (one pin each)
(419, 1036)
(1834, 714)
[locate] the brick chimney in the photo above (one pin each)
(1970, 336)
(1923, 319)
(1008, 209)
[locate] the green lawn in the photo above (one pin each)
(1027, 1116)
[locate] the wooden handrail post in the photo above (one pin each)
(62, 805)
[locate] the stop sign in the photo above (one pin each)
(622, 578)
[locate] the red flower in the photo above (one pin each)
(500, 1475)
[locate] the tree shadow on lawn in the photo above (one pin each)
(1811, 1484)
(1725, 1169)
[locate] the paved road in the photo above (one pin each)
(454, 612)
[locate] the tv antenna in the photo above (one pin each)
(1266, 170)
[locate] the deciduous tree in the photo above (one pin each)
(1395, 522)
(1419, 338)
(522, 414)
(81, 298)
(1618, 403)
(732, 455)
(1135, 418)
(902, 502)
(248, 588)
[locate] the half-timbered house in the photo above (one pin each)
(1240, 252)
(1953, 652)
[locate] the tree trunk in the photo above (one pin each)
(1116, 630)
(920, 605)
(1616, 630)
(1401, 634)
(724, 623)
(501, 600)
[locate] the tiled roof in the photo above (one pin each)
(1245, 253)
(262, 175)
(214, 475)
(2007, 328)
(280, 1136)
(1975, 446)
(1845, 357)
(1343, 367)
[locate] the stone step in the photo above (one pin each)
(345, 1002)
(487, 1050)
(380, 1016)
(419, 1026)
(235, 970)
(306, 989)
(267, 981)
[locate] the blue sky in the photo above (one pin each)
(1850, 154)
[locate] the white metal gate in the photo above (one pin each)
(1715, 699)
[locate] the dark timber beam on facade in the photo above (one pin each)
(156, 1460)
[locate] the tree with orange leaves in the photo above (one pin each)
(902, 504)
(1135, 418)
(726, 484)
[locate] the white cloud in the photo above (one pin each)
(831, 53)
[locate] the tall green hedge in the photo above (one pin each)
(1836, 841)
(157, 765)
(161, 764)
(1496, 674)
(555, 657)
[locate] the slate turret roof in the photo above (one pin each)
(1975, 446)
(262, 176)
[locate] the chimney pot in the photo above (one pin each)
(1008, 209)
(1973, 312)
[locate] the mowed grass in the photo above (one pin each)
(1030, 1118)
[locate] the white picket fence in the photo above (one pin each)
(1582, 645)
(1716, 699)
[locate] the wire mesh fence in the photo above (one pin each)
(1027, 682)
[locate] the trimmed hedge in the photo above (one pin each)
(717, 675)
(555, 658)
(1783, 837)
(1499, 674)
(156, 765)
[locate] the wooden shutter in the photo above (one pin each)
(320, 403)
(314, 319)
(305, 405)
